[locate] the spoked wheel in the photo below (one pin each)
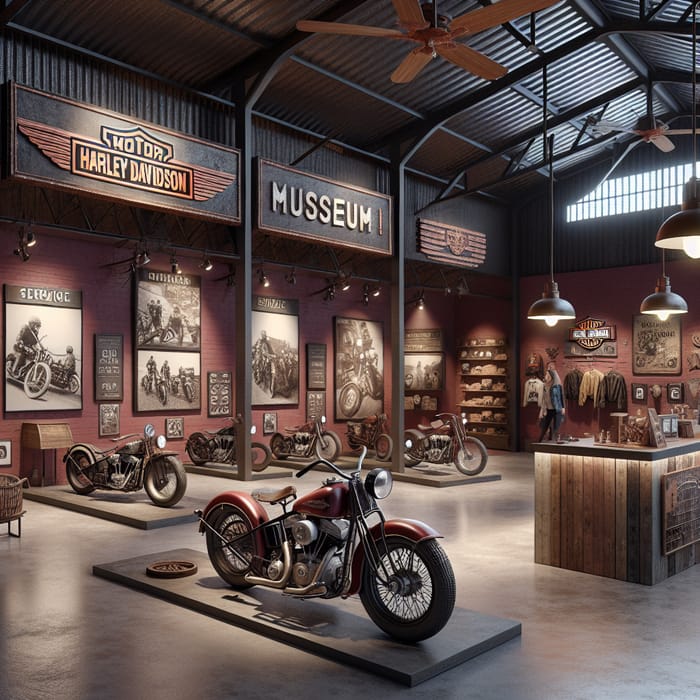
(278, 445)
(384, 446)
(472, 459)
(74, 384)
(328, 446)
(37, 380)
(349, 399)
(198, 448)
(231, 545)
(165, 481)
(80, 468)
(261, 456)
(189, 392)
(413, 453)
(416, 600)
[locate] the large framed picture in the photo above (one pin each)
(44, 348)
(424, 371)
(656, 345)
(275, 352)
(167, 381)
(359, 368)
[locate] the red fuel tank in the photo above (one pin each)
(327, 502)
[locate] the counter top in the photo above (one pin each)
(588, 448)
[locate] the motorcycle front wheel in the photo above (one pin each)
(74, 384)
(232, 562)
(37, 380)
(278, 445)
(189, 392)
(328, 446)
(384, 446)
(197, 448)
(413, 455)
(80, 468)
(417, 599)
(261, 456)
(162, 393)
(165, 480)
(349, 399)
(472, 459)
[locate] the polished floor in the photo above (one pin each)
(65, 633)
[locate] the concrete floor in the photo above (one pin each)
(65, 633)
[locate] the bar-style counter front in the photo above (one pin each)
(604, 509)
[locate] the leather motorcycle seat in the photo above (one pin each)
(273, 496)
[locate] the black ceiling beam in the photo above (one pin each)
(10, 9)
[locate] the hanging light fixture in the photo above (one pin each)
(551, 308)
(263, 279)
(175, 266)
(681, 231)
(206, 263)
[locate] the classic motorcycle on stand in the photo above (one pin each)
(129, 466)
(335, 542)
(445, 442)
(308, 440)
(221, 446)
(372, 433)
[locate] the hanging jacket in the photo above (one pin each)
(572, 384)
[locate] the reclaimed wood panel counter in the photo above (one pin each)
(599, 508)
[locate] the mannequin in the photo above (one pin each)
(552, 411)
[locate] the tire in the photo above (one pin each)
(189, 393)
(162, 393)
(472, 460)
(74, 384)
(261, 456)
(413, 455)
(80, 467)
(232, 564)
(278, 446)
(384, 446)
(197, 448)
(328, 446)
(349, 399)
(37, 380)
(421, 596)
(165, 481)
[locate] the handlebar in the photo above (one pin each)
(333, 467)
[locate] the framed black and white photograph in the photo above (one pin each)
(639, 392)
(108, 419)
(167, 315)
(167, 381)
(5, 453)
(275, 351)
(424, 371)
(43, 348)
(359, 368)
(219, 392)
(674, 392)
(174, 428)
(269, 423)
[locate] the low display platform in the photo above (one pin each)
(336, 629)
(134, 509)
(230, 471)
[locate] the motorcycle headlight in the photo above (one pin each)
(149, 431)
(161, 441)
(408, 443)
(378, 483)
(253, 430)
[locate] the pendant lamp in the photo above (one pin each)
(664, 303)
(551, 308)
(681, 231)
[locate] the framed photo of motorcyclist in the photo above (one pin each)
(43, 348)
(359, 368)
(424, 371)
(167, 381)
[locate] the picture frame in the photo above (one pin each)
(219, 394)
(424, 371)
(108, 419)
(639, 392)
(656, 345)
(175, 428)
(359, 368)
(182, 391)
(5, 453)
(315, 404)
(674, 392)
(656, 433)
(316, 366)
(269, 423)
(109, 367)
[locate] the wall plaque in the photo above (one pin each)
(423, 340)
(315, 366)
(109, 367)
(451, 244)
(656, 345)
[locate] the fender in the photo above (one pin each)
(414, 530)
(85, 446)
(244, 501)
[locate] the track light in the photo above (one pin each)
(206, 264)
(420, 302)
(329, 294)
(291, 277)
(263, 279)
(175, 266)
(365, 294)
(343, 281)
(21, 250)
(376, 291)
(31, 239)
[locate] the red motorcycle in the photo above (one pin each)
(323, 546)
(371, 433)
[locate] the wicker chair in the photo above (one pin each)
(11, 502)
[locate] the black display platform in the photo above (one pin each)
(336, 629)
(134, 509)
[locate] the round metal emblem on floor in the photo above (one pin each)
(171, 569)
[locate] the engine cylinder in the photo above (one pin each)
(304, 532)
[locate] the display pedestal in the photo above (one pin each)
(46, 436)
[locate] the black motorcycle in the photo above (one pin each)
(220, 446)
(308, 440)
(129, 466)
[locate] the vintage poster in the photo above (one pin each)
(656, 345)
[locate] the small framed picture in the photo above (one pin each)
(174, 428)
(109, 419)
(269, 423)
(639, 392)
(674, 392)
(5, 453)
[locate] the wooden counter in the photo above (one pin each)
(599, 508)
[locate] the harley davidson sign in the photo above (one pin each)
(81, 147)
(451, 244)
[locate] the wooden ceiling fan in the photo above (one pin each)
(437, 34)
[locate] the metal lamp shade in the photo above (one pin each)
(551, 308)
(681, 231)
(663, 302)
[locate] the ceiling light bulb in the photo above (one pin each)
(551, 321)
(691, 246)
(663, 315)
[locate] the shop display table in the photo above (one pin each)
(46, 436)
(600, 508)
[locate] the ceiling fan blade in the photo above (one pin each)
(663, 143)
(671, 132)
(472, 61)
(410, 14)
(409, 68)
(310, 25)
(497, 13)
(603, 126)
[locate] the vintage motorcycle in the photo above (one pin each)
(129, 466)
(156, 383)
(371, 432)
(359, 379)
(308, 440)
(323, 545)
(34, 374)
(183, 381)
(445, 442)
(220, 446)
(64, 378)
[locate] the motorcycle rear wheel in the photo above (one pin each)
(278, 445)
(419, 597)
(165, 480)
(189, 393)
(197, 448)
(80, 467)
(384, 446)
(74, 384)
(472, 460)
(234, 562)
(37, 380)
(328, 446)
(413, 455)
(261, 456)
